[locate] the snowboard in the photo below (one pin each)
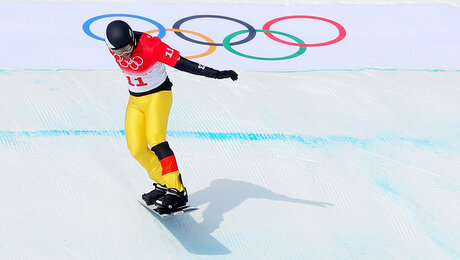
(164, 212)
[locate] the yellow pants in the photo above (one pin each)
(146, 123)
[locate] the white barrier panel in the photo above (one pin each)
(255, 37)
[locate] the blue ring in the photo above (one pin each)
(88, 23)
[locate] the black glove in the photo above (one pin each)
(222, 74)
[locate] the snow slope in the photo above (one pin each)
(312, 165)
(346, 163)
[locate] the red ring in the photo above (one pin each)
(342, 31)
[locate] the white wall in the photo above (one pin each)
(388, 36)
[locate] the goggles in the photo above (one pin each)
(124, 50)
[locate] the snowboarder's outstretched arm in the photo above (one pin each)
(189, 66)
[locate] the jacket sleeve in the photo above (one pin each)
(164, 53)
(189, 66)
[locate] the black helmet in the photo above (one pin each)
(119, 34)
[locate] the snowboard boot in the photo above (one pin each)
(173, 199)
(151, 197)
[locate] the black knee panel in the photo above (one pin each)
(162, 150)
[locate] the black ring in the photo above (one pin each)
(252, 30)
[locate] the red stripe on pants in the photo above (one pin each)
(169, 164)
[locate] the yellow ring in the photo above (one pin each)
(211, 49)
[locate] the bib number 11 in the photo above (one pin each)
(137, 82)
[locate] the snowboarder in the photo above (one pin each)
(142, 59)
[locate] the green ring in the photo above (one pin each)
(227, 45)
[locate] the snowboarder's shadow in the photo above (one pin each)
(222, 195)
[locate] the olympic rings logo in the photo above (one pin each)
(226, 43)
(134, 62)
